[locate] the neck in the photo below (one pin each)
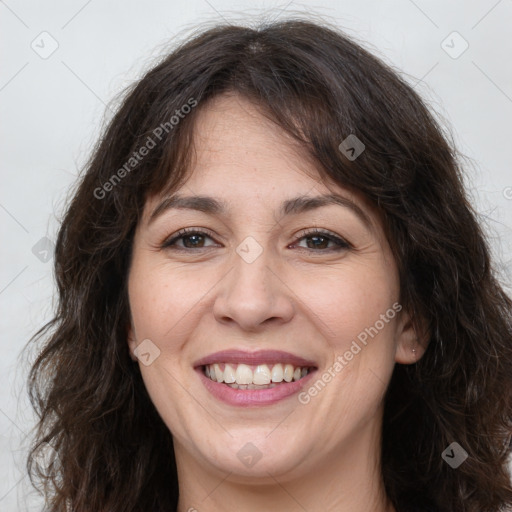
(350, 481)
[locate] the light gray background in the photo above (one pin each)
(52, 109)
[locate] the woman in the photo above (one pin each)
(274, 295)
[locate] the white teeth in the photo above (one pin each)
(219, 374)
(288, 373)
(241, 376)
(277, 373)
(229, 374)
(251, 386)
(261, 375)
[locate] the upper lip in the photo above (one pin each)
(254, 358)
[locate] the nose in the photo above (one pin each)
(253, 295)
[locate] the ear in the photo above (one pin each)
(132, 341)
(412, 338)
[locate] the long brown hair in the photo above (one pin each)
(112, 452)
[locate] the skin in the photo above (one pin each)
(323, 455)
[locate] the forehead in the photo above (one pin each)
(243, 158)
(233, 137)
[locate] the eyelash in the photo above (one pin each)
(183, 233)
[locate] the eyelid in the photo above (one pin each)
(341, 242)
(184, 232)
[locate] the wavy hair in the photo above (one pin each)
(111, 450)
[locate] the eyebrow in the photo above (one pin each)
(291, 206)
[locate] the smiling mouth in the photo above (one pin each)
(263, 376)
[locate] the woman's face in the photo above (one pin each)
(272, 289)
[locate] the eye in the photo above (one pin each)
(318, 241)
(191, 238)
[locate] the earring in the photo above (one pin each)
(414, 348)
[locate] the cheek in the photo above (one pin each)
(153, 303)
(355, 309)
(165, 300)
(352, 297)
(348, 301)
(163, 303)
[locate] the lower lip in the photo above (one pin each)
(253, 397)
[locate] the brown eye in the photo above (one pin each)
(194, 240)
(316, 241)
(190, 239)
(319, 241)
